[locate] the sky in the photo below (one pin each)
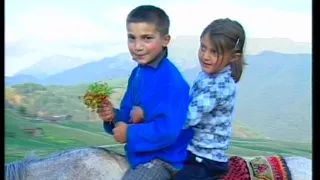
(94, 29)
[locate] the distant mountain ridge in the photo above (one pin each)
(52, 65)
(182, 50)
(107, 68)
(20, 79)
(116, 67)
(274, 93)
(185, 48)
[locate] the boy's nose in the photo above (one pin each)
(138, 47)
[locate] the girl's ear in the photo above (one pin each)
(235, 57)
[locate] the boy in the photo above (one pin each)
(156, 146)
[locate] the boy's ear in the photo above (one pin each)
(166, 40)
(235, 57)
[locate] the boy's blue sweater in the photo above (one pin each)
(163, 94)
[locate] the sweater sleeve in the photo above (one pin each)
(206, 97)
(164, 129)
(122, 114)
(203, 102)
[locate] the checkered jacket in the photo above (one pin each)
(210, 114)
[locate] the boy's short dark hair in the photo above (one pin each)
(150, 14)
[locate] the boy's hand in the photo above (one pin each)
(136, 114)
(105, 111)
(120, 132)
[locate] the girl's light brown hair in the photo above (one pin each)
(228, 36)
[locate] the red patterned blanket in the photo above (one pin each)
(257, 168)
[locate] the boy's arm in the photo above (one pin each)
(123, 113)
(165, 128)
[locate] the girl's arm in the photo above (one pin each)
(202, 103)
(206, 97)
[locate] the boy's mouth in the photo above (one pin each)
(139, 56)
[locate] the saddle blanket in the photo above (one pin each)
(257, 168)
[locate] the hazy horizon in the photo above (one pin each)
(82, 29)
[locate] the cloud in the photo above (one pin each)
(50, 30)
(58, 24)
(47, 30)
(16, 63)
(191, 18)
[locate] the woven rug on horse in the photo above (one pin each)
(257, 168)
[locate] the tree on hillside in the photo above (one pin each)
(22, 110)
(9, 94)
(27, 88)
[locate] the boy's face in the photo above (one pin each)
(210, 60)
(145, 41)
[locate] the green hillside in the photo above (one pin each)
(55, 137)
(27, 103)
(57, 100)
(72, 134)
(39, 100)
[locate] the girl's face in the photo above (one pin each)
(210, 61)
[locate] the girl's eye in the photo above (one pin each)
(215, 53)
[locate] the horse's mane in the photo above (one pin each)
(17, 170)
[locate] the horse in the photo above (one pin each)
(99, 163)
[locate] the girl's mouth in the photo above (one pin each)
(205, 64)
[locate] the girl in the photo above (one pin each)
(213, 99)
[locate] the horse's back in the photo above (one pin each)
(300, 168)
(99, 163)
(83, 163)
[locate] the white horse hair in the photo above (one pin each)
(96, 163)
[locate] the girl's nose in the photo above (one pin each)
(206, 56)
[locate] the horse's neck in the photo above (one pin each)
(49, 169)
(97, 165)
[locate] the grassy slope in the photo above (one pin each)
(58, 137)
(86, 130)
(57, 100)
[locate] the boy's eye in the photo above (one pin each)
(131, 37)
(148, 38)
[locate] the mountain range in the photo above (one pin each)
(274, 93)
(52, 65)
(58, 69)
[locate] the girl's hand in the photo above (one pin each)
(136, 114)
